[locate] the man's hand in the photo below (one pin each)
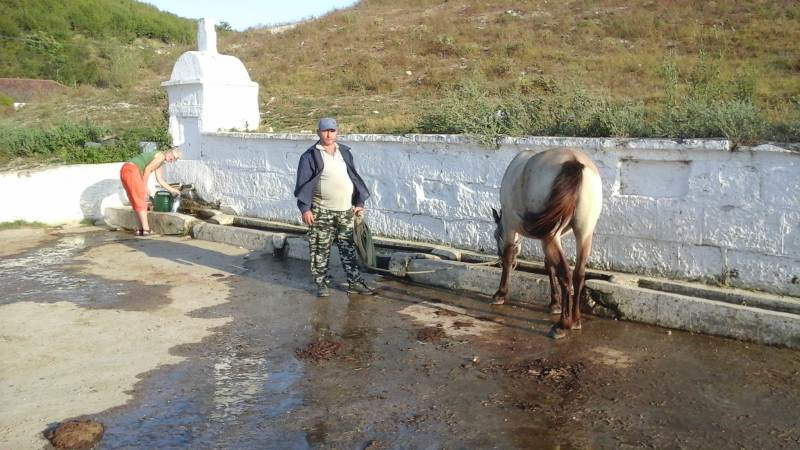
(308, 218)
(358, 210)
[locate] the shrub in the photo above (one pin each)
(67, 143)
(704, 106)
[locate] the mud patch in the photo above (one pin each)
(459, 324)
(451, 318)
(319, 351)
(17, 241)
(76, 434)
(431, 334)
(611, 357)
(559, 374)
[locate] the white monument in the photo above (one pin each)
(209, 92)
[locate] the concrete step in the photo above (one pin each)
(160, 222)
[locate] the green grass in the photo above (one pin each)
(21, 224)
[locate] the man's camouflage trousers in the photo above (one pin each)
(330, 226)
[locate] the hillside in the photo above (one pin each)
(683, 68)
(82, 41)
(387, 61)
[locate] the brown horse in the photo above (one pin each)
(544, 196)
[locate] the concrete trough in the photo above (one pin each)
(696, 314)
(264, 241)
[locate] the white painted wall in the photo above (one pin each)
(691, 209)
(61, 194)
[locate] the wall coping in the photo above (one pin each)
(723, 145)
(198, 81)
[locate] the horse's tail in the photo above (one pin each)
(560, 205)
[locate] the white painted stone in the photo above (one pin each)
(731, 181)
(609, 168)
(406, 226)
(665, 258)
(752, 228)
(656, 179)
(472, 234)
(756, 271)
(790, 233)
(475, 167)
(457, 201)
(400, 195)
(780, 179)
(669, 220)
(602, 254)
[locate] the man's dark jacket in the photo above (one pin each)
(310, 169)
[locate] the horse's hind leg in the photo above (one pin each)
(554, 256)
(555, 290)
(579, 277)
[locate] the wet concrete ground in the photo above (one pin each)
(487, 378)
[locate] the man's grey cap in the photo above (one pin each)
(326, 123)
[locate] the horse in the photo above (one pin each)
(544, 196)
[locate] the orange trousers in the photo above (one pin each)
(134, 186)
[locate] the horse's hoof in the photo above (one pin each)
(556, 332)
(575, 326)
(555, 309)
(498, 300)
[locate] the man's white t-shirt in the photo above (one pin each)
(335, 189)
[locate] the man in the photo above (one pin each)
(329, 194)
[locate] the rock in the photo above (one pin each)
(221, 219)
(205, 213)
(79, 434)
(147, 146)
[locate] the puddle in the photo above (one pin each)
(36, 274)
(48, 274)
(228, 409)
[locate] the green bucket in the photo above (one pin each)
(162, 202)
